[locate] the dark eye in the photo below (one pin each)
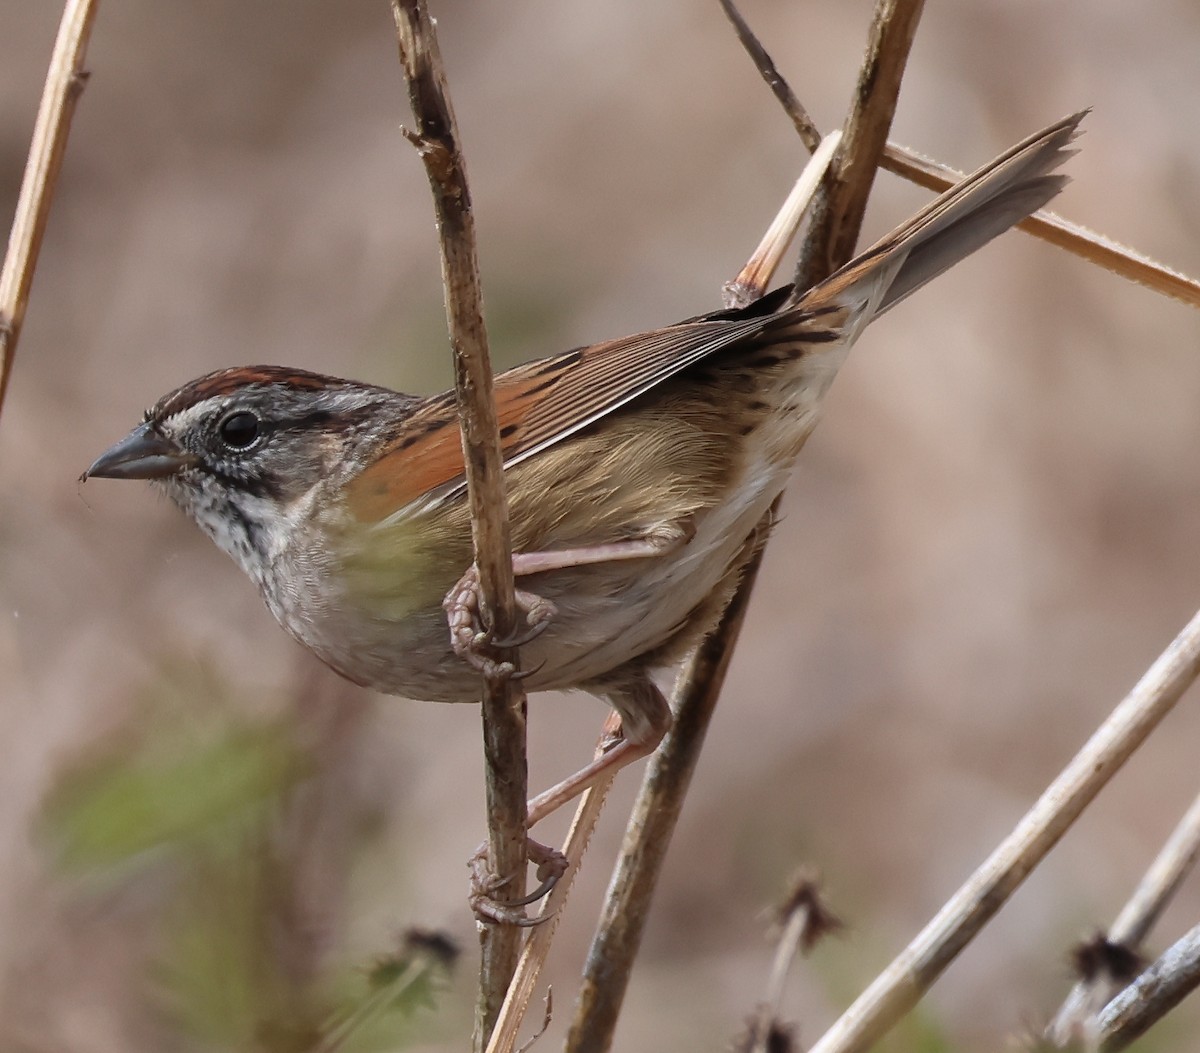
(239, 430)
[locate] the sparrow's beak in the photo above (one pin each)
(142, 454)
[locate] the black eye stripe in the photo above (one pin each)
(254, 485)
(309, 420)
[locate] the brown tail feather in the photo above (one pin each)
(965, 218)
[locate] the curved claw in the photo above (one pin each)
(552, 864)
(525, 674)
(550, 871)
(520, 639)
(468, 635)
(489, 910)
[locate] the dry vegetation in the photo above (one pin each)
(988, 539)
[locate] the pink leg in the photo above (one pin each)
(645, 719)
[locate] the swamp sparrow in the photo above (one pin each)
(636, 469)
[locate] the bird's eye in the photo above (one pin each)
(239, 430)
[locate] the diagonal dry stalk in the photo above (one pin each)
(900, 986)
(437, 141)
(65, 80)
(619, 932)
(655, 814)
(750, 283)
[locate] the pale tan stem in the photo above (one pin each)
(901, 985)
(754, 278)
(437, 140)
(64, 84)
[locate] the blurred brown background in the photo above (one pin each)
(991, 535)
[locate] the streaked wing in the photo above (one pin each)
(540, 403)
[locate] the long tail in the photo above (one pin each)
(965, 218)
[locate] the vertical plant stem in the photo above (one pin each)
(837, 218)
(537, 943)
(437, 141)
(65, 80)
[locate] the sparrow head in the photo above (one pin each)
(250, 453)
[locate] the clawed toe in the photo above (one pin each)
(552, 864)
(520, 639)
(471, 640)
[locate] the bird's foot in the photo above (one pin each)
(486, 883)
(472, 640)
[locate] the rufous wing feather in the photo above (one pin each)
(538, 404)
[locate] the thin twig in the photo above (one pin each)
(1152, 995)
(1133, 923)
(537, 944)
(900, 986)
(804, 919)
(785, 953)
(65, 81)
(793, 107)
(436, 138)
(660, 799)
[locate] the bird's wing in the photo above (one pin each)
(538, 404)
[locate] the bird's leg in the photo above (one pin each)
(645, 719)
(463, 603)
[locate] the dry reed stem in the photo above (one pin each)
(660, 799)
(1131, 926)
(755, 277)
(437, 141)
(65, 80)
(750, 283)
(900, 986)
